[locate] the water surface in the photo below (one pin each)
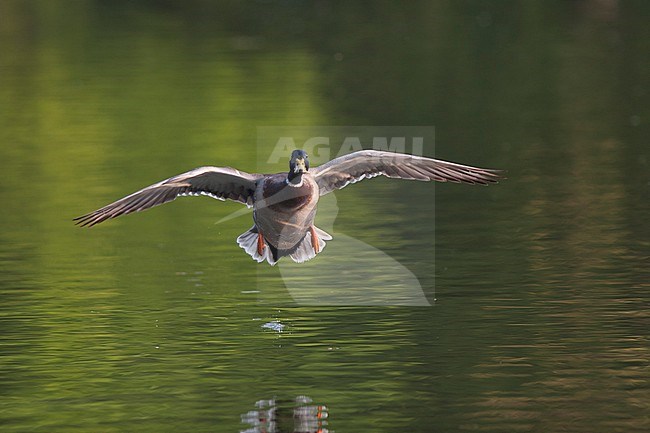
(538, 286)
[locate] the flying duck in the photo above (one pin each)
(284, 204)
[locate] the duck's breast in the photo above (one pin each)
(284, 213)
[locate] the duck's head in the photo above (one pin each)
(298, 164)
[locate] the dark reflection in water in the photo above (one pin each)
(300, 415)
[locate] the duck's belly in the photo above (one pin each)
(283, 229)
(284, 215)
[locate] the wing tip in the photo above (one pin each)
(91, 219)
(84, 221)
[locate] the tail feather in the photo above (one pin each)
(248, 241)
(302, 252)
(305, 249)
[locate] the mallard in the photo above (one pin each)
(284, 204)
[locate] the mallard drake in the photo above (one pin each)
(284, 204)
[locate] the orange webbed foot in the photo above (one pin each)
(260, 244)
(314, 240)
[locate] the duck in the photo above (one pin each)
(285, 204)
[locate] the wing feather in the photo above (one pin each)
(217, 182)
(365, 164)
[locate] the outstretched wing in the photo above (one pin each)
(365, 164)
(217, 182)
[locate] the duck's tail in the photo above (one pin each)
(256, 246)
(259, 249)
(312, 244)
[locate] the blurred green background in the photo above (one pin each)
(156, 321)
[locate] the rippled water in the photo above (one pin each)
(537, 288)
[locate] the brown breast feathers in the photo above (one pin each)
(282, 197)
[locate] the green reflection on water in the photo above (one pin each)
(154, 322)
